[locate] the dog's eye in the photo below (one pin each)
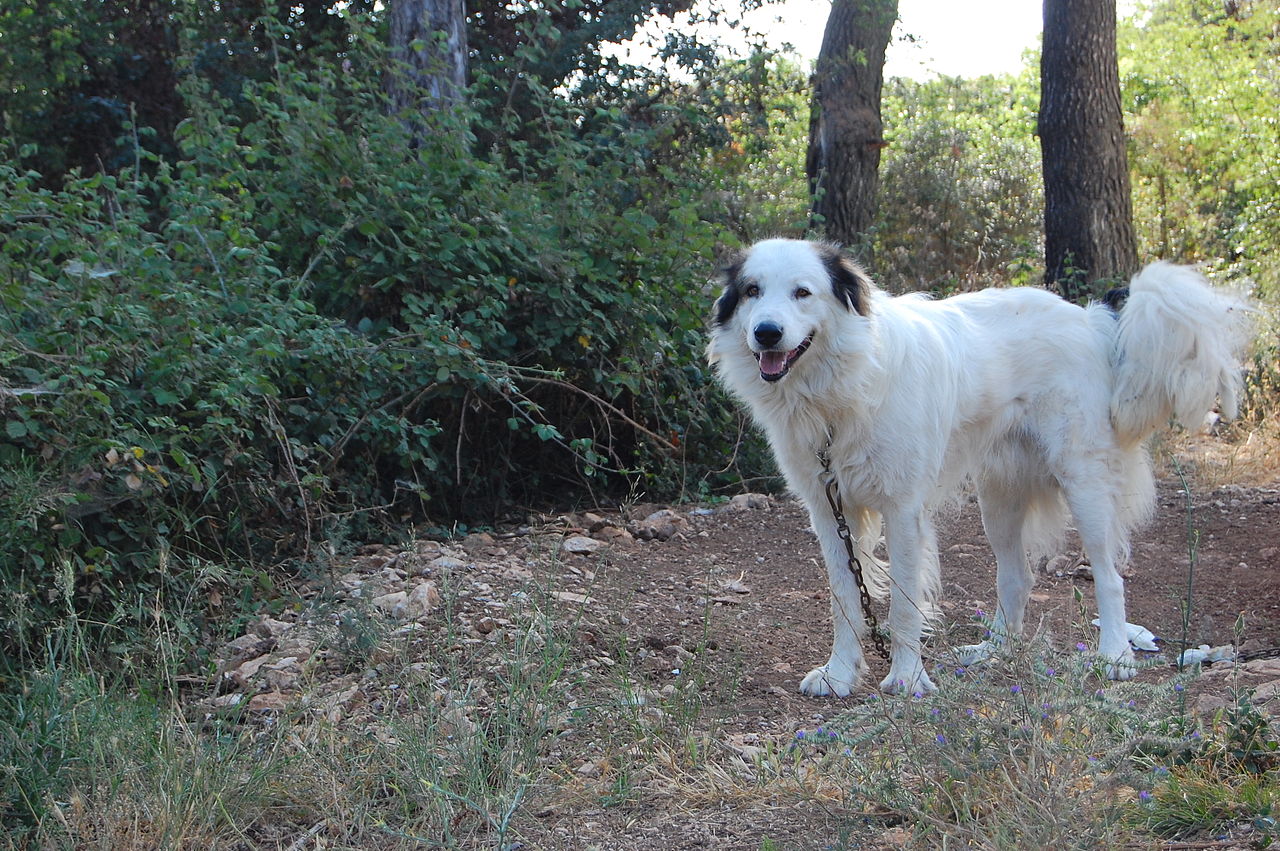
(803, 292)
(751, 291)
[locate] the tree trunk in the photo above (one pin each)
(1088, 216)
(845, 131)
(429, 46)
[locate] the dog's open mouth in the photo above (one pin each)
(774, 365)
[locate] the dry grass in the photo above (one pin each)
(449, 749)
(1242, 455)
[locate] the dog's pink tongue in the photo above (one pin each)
(772, 363)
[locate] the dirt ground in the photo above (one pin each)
(767, 638)
(740, 586)
(782, 627)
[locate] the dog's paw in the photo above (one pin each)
(1121, 666)
(914, 680)
(824, 681)
(973, 654)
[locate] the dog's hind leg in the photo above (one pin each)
(913, 581)
(1101, 531)
(1004, 514)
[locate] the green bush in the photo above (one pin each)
(306, 330)
(183, 394)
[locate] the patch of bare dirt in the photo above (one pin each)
(780, 627)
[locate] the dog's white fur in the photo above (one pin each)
(1043, 405)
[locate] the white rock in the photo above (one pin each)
(244, 643)
(661, 525)
(389, 602)
(246, 670)
(1193, 655)
(748, 502)
(1061, 564)
(614, 534)
(269, 627)
(1139, 636)
(1221, 653)
(448, 563)
(582, 545)
(422, 599)
(594, 522)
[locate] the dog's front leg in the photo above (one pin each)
(912, 569)
(843, 671)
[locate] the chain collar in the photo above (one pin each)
(832, 489)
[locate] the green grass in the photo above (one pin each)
(110, 768)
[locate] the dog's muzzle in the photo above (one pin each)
(775, 364)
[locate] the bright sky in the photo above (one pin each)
(958, 38)
(952, 37)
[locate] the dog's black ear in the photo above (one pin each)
(729, 276)
(1115, 299)
(851, 284)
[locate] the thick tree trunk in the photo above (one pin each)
(1088, 218)
(845, 131)
(429, 46)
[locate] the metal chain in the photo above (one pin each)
(855, 566)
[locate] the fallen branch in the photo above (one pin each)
(26, 391)
(302, 841)
(604, 403)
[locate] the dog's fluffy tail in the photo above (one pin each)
(1177, 347)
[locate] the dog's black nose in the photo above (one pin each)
(768, 334)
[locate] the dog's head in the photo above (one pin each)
(779, 297)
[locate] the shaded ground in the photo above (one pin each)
(737, 594)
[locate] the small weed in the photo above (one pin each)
(1230, 780)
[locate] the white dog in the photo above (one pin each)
(1044, 405)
